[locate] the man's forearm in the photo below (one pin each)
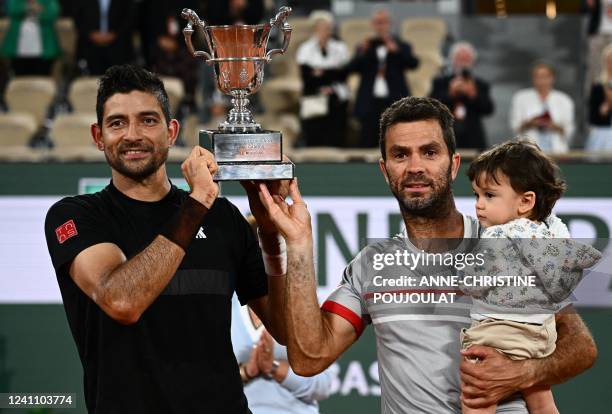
(275, 323)
(575, 352)
(305, 327)
(274, 251)
(129, 289)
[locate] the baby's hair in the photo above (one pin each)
(527, 169)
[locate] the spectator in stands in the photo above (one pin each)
(600, 107)
(234, 11)
(270, 384)
(600, 34)
(466, 96)
(381, 62)
(542, 113)
(322, 60)
(67, 7)
(105, 29)
(31, 42)
(170, 54)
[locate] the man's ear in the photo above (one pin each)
(96, 135)
(455, 163)
(527, 202)
(381, 165)
(173, 131)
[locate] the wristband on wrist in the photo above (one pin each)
(184, 225)
(275, 264)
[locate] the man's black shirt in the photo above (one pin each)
(178, 357)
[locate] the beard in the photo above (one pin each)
(137, 169)
(433, 204)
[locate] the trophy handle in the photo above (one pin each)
(194, 20)
(281, 20)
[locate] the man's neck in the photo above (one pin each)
(152, 188)
(447, 226)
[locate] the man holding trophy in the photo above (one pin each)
(146, 270)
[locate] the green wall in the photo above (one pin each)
(350, 179)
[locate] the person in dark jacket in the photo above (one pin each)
(105, 29)
(466, 96)
(381, 61)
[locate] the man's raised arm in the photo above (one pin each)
(315, 338)
(124, 289)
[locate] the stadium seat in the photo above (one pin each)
(16, 129)
(175, 90)
(420, 80)
(31, 94)
(82, 94)
(424, 34)
(281, 94)
(355, 30)
(72, 138)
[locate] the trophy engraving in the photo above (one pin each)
(243, 150)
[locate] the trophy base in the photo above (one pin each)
(238, 171)
(248, 155)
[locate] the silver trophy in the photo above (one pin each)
(242, 149)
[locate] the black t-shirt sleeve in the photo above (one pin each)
(252, 281)
(71, 227)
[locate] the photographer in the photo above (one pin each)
(466, 96)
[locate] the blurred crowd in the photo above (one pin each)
(343, 86)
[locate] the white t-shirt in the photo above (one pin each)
(381, 89)
(29, 44)
(526, 104)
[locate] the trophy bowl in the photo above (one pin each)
(242, 149)
(238, 55)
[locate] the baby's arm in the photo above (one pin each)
(559, 264)
(493, 245)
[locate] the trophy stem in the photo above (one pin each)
(239, 117)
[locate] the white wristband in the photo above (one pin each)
(276, 264)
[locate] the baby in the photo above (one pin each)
(516, 186)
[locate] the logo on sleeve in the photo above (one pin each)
(66, 231)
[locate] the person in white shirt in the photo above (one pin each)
(542, 113)
(324, 103)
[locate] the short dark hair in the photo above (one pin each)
(527, 169)
(128, 78)
(412, 109)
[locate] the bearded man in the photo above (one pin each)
(418, 350)
(147, 271)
